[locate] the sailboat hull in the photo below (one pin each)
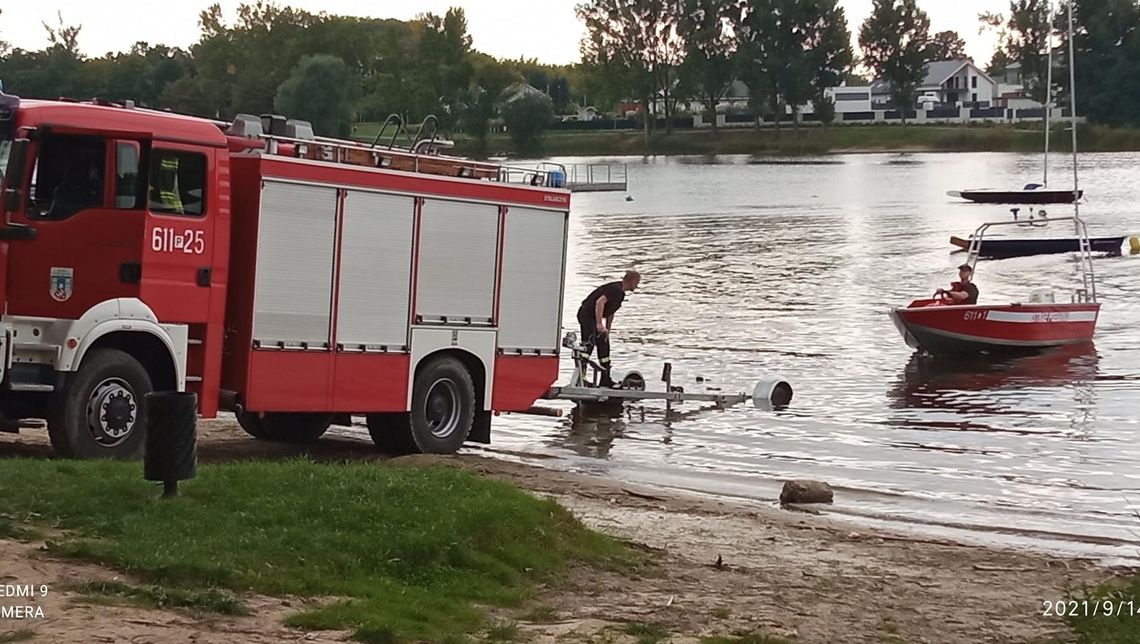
(1017, 197)
(1006, 248)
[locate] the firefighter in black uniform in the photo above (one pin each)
(596, 317)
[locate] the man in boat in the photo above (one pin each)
(596, 317)
(964, 291)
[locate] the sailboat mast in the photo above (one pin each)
(1073, 108)
(1048, 87)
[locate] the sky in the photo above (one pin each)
(544, 29)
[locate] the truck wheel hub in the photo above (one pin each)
(442, 408)
(112, 412)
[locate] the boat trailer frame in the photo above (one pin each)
(584, 387)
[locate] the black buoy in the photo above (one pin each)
(171, 439)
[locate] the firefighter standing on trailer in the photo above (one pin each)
(596, 317)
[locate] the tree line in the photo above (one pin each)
(787, 52)
(330, 70)
(337, 70)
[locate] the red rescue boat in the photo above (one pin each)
(933, 327)
(936, 327)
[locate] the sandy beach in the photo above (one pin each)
(726, 567)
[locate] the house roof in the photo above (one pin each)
(937, 73)
(940, 71)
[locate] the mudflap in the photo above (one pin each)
(8, 425)
(481, 428)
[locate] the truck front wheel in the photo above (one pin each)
(101, 410)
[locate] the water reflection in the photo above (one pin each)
(591, 429)
(979, 388)
(594, 430)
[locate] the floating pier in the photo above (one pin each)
(597, 177)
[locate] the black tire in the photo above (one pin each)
(392, 432)
(286, 427)
(101, 410)
(443, 406)
(252, 425)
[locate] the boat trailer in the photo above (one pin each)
(768, 394)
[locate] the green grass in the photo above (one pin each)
(210, 600)
(1101, 629)
(407, 552)
(721, 613)
(810, 140)
(647, 633)
(22, 635)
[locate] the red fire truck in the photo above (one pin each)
(295, 280)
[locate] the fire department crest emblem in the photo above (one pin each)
(62, 281)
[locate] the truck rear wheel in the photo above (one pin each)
(443, 406)
(101, 410)
(286, 427)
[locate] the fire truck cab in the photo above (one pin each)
(294, 280)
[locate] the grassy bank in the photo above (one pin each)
(408, 552)
(1108, 614)
(810, 140)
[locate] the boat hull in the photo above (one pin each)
(1006, 248)
(938, 329)
(1035, 197)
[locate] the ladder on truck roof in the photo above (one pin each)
(295, 138)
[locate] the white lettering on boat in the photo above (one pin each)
(1040, 317)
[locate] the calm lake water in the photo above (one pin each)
(755, 266)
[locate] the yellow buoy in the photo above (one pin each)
(1135, 243)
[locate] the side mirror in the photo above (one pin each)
(14, 175)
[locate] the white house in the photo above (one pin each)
(948, 83)
(850, 98)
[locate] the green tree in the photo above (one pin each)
(636, 43)
(1107, 39)
(491, 78)
(825, 109)
(895, 40)
(947, 45)
(527, 113)
(796, 49)
(443, 64)
(709, 29)
(1023, 38)
(194, 95)
(830, 55)
(320, 90)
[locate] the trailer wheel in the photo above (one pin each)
(286, 427)
(101, 410)
(392, 432)
(443, 406)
